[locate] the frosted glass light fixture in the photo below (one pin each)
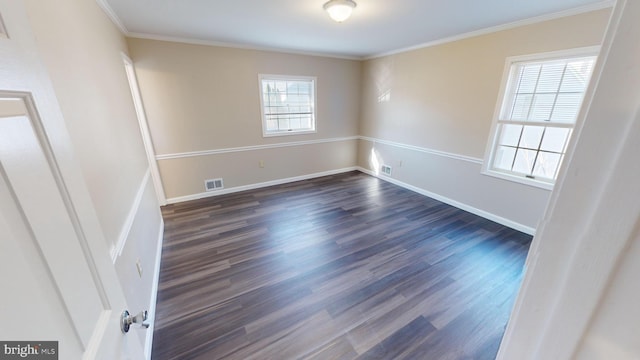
(340, 10)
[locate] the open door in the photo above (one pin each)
(57, 280)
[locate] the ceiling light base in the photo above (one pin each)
(339, 10)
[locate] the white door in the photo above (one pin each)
(57, 282)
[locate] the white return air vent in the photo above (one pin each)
(386, 170)
(213, 184)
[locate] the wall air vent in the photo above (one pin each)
(386, 170)
(213, 184)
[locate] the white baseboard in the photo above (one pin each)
(485, 214)
(148, 345)
(258, 185)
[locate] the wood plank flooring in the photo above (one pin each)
(338, 267)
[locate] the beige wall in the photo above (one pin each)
(185, 176)
(443, 98)
(206, 97)
(201, 98)
(81, 49)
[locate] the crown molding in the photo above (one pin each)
(112, 15)
(182, 40)
(529, 21)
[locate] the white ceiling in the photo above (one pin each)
(376, 26)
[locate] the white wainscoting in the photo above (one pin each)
(116, 250)
(258, 185)
(456, 180)
(249, 167)
(141, 240)
(448, 177)
(459, 205)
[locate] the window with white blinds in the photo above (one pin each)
(288, 104)
(542, 98)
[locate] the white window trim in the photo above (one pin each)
(493, 134)
(315, 104)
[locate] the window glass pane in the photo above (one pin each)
(268, 87)
(520, 110)
(567, 107)
(510, 134)
(528, 75)
(541, 107)
(524, 161)
(531, 137)
(577, 75)
(280, 86)
(555, 139)
(573, 82)
(273, 100)
(272, 125)
(283, 124)
(550, 77)
(504, 158)
(295, 123)
(546, 165)
(304, 88)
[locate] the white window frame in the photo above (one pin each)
(494, 136)
(311, 79)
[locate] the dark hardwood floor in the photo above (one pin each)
(339, 267)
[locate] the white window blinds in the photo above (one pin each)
(548, 91)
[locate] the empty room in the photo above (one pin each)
(319, 179)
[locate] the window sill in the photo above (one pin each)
(519, 179)
(289, 133)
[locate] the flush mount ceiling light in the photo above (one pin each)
(340, 10)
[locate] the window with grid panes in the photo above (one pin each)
(539, 108)
(288, 104)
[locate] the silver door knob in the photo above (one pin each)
(126, 320)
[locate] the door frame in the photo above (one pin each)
(144, 128)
